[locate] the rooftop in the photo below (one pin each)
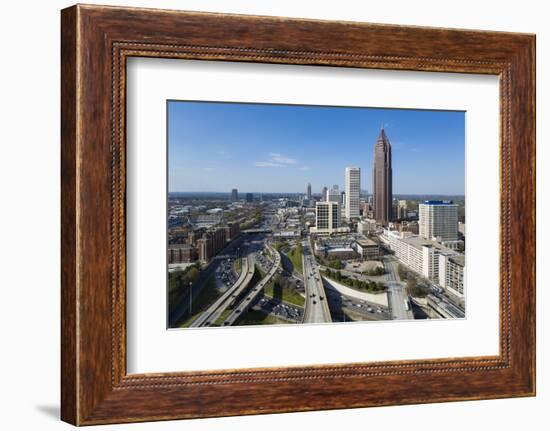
(459, 259)
(365, 242)
(438, 202)
(419, 242)
(178, 246)
(341, 250)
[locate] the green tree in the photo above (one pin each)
(335, 263)
(411, 286)
(402, 271)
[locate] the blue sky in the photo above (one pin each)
(214, 147)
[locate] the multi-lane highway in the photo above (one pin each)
(212, 313)
(240, 308)
(316, 305)
(209, 271)
(398, 299)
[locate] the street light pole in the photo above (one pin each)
(191, 299)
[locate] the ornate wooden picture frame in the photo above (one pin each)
(96, 41)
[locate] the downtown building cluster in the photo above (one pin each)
(433, 252)
(426, 241)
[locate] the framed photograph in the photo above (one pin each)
(329, 214)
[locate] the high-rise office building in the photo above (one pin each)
(327, 217)
(308, 191)
(333, 195)
(382, 179)
(353, 190)
(234, 195)
(402, 209)
(438, 219)
(249, 197)
(324, 191)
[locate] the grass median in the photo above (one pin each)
(275, 289)
(295, 255)
(205, 298)
(256, 317)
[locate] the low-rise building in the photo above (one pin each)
(451, 273)
(419, 254)
(341, 253)
(366, 226)
(409, 226)
(367, 248)
(207, 221)
(337, 248)
(287, 234)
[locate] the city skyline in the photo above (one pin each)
(264, 148)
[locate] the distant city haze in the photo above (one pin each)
(266, 148)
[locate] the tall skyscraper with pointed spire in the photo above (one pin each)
(382, 179)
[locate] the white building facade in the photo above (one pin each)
(353, 191)
(451, 273)
(366, 226)
(419, 254)
(327, 218)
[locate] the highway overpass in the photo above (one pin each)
(244, 305)
(316, 305)
(212, 313)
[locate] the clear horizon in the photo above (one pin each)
(214, 147)
(299, 192)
